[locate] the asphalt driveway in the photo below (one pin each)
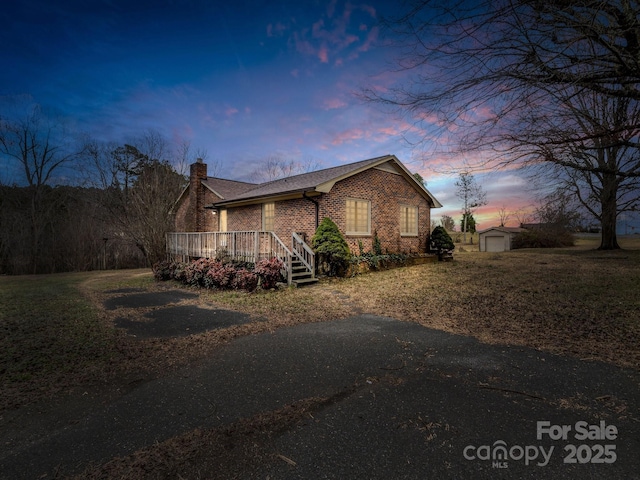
(409, 402)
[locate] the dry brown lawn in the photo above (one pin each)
(575, 301)
(572, 301)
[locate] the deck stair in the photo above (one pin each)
(300, 274)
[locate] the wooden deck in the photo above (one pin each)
(250, 246)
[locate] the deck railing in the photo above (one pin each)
(241, 246)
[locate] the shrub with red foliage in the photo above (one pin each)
(219, 275)
(211, 273)
(244, 280)
(270, 272)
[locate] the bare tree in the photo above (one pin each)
(602, 171)
(472, 196)
(186, 155)
(140, 189)
(448, 223)
(504, 215)
(523, 216)
(559, 211)
(276, 167)
(40, 147)
(510, 73)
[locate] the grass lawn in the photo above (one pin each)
(56, 336)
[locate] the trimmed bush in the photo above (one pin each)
(441, 242)
(331, 248)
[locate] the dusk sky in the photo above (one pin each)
(243, 80)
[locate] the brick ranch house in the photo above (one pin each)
(378, 196)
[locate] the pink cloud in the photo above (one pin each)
(323, 54)
(369, 9)
(372, 37)
(230, 111)
(333, 103)
(334, 36)
(348, 136)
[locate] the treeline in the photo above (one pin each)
(70, 203)
(49, 229)
(68, 232)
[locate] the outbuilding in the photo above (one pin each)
(497, 239)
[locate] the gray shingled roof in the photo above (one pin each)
(303, 181)
(227, 189)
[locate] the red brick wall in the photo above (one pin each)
(298, 216)
(387, 192)
(241, 219)
(290, 216)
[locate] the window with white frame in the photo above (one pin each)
(408, 221)
(358, 217)
(268, 215)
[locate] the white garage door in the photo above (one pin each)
(494, 244)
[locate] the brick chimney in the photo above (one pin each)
(198, 173)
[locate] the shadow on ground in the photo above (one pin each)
(170, 316)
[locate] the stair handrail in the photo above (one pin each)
(281, 252)
(304, 252)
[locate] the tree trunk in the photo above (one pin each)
(609, 215)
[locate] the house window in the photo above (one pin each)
(268, 214)
(358, 217)
(409, 221)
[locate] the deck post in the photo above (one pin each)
(256, 248)
(233, 246)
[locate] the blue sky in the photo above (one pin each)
(243, 80)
